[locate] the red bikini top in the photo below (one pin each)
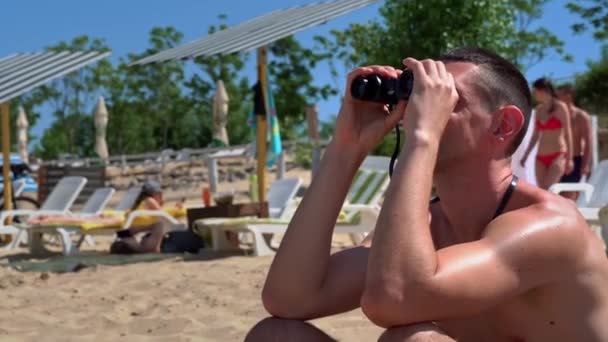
(551, 124)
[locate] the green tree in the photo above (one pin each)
(157, 89)
(30, 103)
(529, 46)
(592, 87)
(130, 125)
(594, 14)
(427, 29)
(70, 98)
(202, 86)
(291, 69)
(160, 105)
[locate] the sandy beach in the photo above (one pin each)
(101, 297)
(208, 297)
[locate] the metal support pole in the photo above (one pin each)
(262, 124)
(213, 176)
(594, 142)
(281, 166)
(6, 157)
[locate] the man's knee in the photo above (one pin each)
(277, 329)
(424, 332)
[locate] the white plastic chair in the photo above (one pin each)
(57, 202)
(94, 206)
(280, 197)
(603, 216)
(594, 192)
(362, 208)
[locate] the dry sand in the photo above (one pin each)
(209, 297)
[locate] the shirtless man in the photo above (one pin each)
(580, 123)
(452, 272)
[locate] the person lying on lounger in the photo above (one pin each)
(490, 259)
(155, 228)
(151, 198)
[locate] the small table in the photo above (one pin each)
(227, 210)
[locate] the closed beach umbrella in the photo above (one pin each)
(220, 115)
(312, 118)
(22, 125)
(101, 123)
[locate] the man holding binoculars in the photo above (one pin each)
(490, 259)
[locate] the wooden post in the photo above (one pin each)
(312, 118)
(262, 124)
(6, 157)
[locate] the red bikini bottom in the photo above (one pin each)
(547, 159)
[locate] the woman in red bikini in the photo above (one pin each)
(553, 134)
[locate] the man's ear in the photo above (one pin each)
(510, 120)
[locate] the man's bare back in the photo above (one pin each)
(556, 311)
(581, 122)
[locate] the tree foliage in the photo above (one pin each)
(426, 29)
(69, 98)
(169, 105)
(594, 16)
(292, 82)
(592, 86)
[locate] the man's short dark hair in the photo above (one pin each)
(500, 83)
(568, 87)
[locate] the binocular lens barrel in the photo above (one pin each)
(376, 88)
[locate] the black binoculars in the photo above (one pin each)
(381, 89)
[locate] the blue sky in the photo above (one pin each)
(30, 25)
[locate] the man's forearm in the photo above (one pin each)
(300, 265)
(569, 138)
(402, 249)
(588, 146)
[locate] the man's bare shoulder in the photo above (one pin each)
(581, 114)
(561, 109)
(549, 227)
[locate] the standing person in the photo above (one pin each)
(580, 122)
(553, 135)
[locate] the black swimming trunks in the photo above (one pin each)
(576, 174)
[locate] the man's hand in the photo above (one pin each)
(586, 170)
(402, 251)
(362, 125)
(432, 101)
(569, 167)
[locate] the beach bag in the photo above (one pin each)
(182, 241)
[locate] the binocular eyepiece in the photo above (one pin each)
(375, 88)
